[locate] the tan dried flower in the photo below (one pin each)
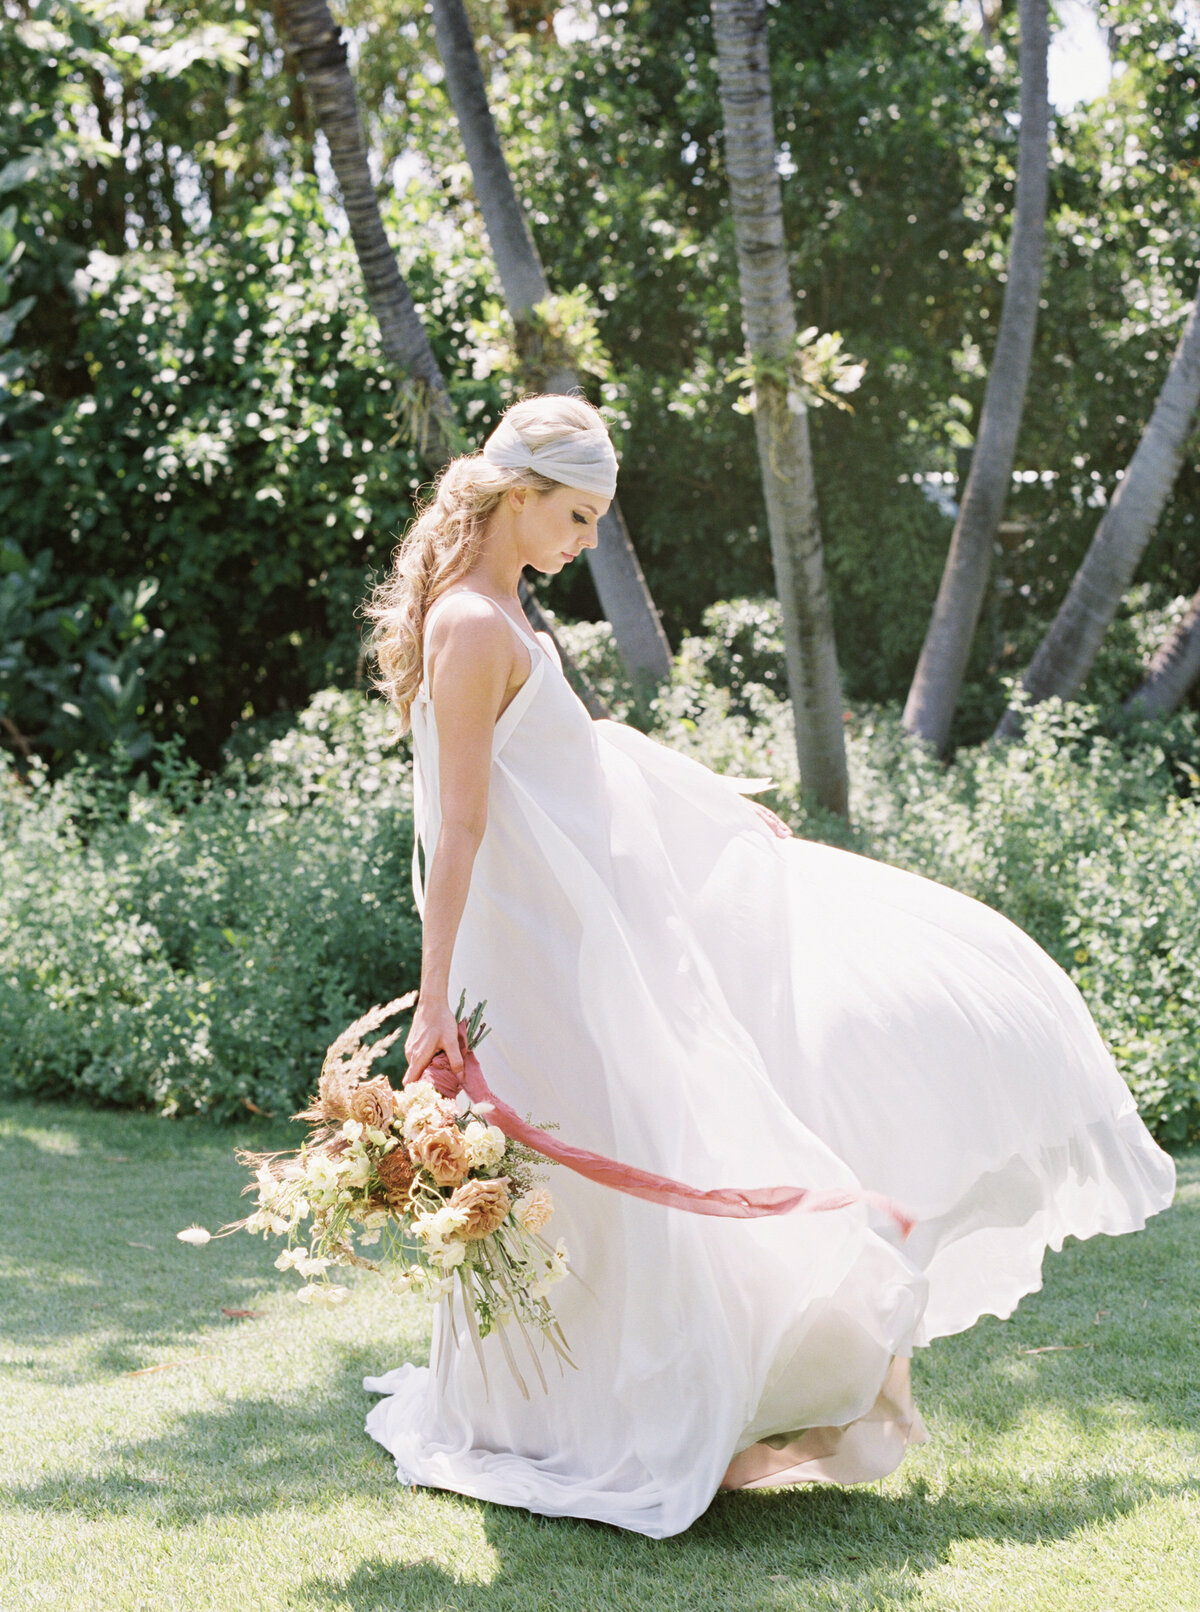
(333, 1095)
(373, 1103)
(347, 1062)
(396, 1173)
(486, 1204)
(440, 1149)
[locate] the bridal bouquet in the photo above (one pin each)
(445, 1201)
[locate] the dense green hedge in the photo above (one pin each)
(240, 463)
(196, 945)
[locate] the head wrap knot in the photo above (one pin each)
(583, 459)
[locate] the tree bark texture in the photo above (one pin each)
(942, 666)
(620, 583)
(1173, 670)
(785, 459)
(1068, 651)
(315, 43)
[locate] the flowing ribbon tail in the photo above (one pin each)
(743, 1203)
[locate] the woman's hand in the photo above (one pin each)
(775, 824)
(433, 1030)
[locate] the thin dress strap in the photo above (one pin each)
(442, 597)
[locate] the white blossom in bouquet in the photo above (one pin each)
(485, 1145)
(326, 1294)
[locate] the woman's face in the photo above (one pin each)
(553, 528)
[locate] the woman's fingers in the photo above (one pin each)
(776, 824)
(439, 1035)
(418, 1062)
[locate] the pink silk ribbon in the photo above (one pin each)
(743, 1203)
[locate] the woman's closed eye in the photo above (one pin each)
(582, 519)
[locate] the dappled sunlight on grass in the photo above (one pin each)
(62, 1142)
(154, 1450)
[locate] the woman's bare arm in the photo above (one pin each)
(474, 661)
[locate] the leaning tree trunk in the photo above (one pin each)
(620, 584)
(1173, 669)
(315, 42)
(1066, 653)
(942, 666)
(769, 321)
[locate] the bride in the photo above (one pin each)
(679, 984)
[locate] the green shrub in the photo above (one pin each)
(72, 672)
(235, 440)
(197, 945)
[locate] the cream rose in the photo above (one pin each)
(442, 1152)
(430, 1112)
(534, 1209)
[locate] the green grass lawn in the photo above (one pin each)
(157, 1454)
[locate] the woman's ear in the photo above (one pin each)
(517, 497)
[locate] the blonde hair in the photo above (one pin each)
(444, 541)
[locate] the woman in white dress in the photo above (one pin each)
(679, 984)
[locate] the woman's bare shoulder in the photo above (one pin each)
(468, 618)
(467, 636)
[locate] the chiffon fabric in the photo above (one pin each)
(678, 988)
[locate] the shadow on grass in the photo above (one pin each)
(81, 1189)
(92, 1202)
(847, 1548)
(249, 1456)
(259, 1456)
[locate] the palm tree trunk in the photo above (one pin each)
(1066, 653)
(311, 37)
(1173, 669)
(315, 42)
(620, 583)
(785, 459)
(938, 680)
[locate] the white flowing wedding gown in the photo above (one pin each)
(680, 989)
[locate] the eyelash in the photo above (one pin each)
(582, 519)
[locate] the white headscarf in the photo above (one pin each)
(583, 459)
